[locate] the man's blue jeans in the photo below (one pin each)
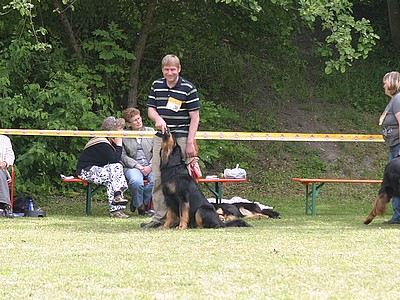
(394, 152)
(141, 194)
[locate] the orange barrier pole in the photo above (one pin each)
(209, 135)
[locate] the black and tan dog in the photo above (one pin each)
(390, 187)
(251, 210)
(185, 201)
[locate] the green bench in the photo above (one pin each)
(314, 187)
(90, 187)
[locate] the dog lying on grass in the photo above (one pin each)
(231, 211)
(185, 202)
(390, 187)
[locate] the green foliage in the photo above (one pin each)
(218, 154)
(109, 63)
(29, 30)
(347, 39)
(64, 103)
(309, 164)
(105, 44)
(252, 6)
(365, 93)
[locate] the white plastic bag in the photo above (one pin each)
(235, 173)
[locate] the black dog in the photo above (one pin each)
(390, 187)
(231, 211)
(185, 202)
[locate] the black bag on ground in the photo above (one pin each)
(21, 203)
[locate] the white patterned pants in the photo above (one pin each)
(111, 176)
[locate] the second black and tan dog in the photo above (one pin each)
(185, 202)
(390, 187)
(251, 210)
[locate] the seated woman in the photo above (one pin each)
(137, 154)
(6, 159)
(99, 163)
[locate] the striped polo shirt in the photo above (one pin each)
(177, 119)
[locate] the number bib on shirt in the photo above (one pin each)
(174, 104)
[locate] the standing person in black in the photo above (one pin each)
(99, 163)
(390, 122)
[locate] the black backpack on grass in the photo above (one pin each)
(21, 203)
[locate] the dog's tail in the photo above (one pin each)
(237, 223)
(378, 207)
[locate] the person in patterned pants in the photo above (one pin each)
(99, 163)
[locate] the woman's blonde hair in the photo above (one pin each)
(392, 81)
(113, 124)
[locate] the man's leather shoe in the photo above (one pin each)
(152, 224)
(390, 222)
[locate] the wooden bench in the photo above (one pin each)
(316, 185)
(218, 183)
(92, 188)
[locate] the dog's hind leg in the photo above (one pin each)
(199, 219)
(184, 215)
(378, 207)
(207, 217)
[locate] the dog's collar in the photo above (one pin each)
(169, 166)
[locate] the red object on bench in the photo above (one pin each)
(317, 184)
(219, 182)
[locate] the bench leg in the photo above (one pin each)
(307, 199)
(314, 199)
(315, 189)
(91, 189)
(217, 191)
(88, 198)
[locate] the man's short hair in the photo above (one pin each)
(170, 60)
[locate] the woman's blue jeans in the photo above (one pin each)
(394, 152)
(141, 193)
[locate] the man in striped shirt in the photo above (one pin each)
(173, 102)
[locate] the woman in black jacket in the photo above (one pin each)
(99, 163)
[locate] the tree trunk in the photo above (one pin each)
(139, 50)
(68, 28)
(394, 21)
(73, 43)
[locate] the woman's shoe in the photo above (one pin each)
(118, 200)
(118, 214)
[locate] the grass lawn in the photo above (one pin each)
(330, 256)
